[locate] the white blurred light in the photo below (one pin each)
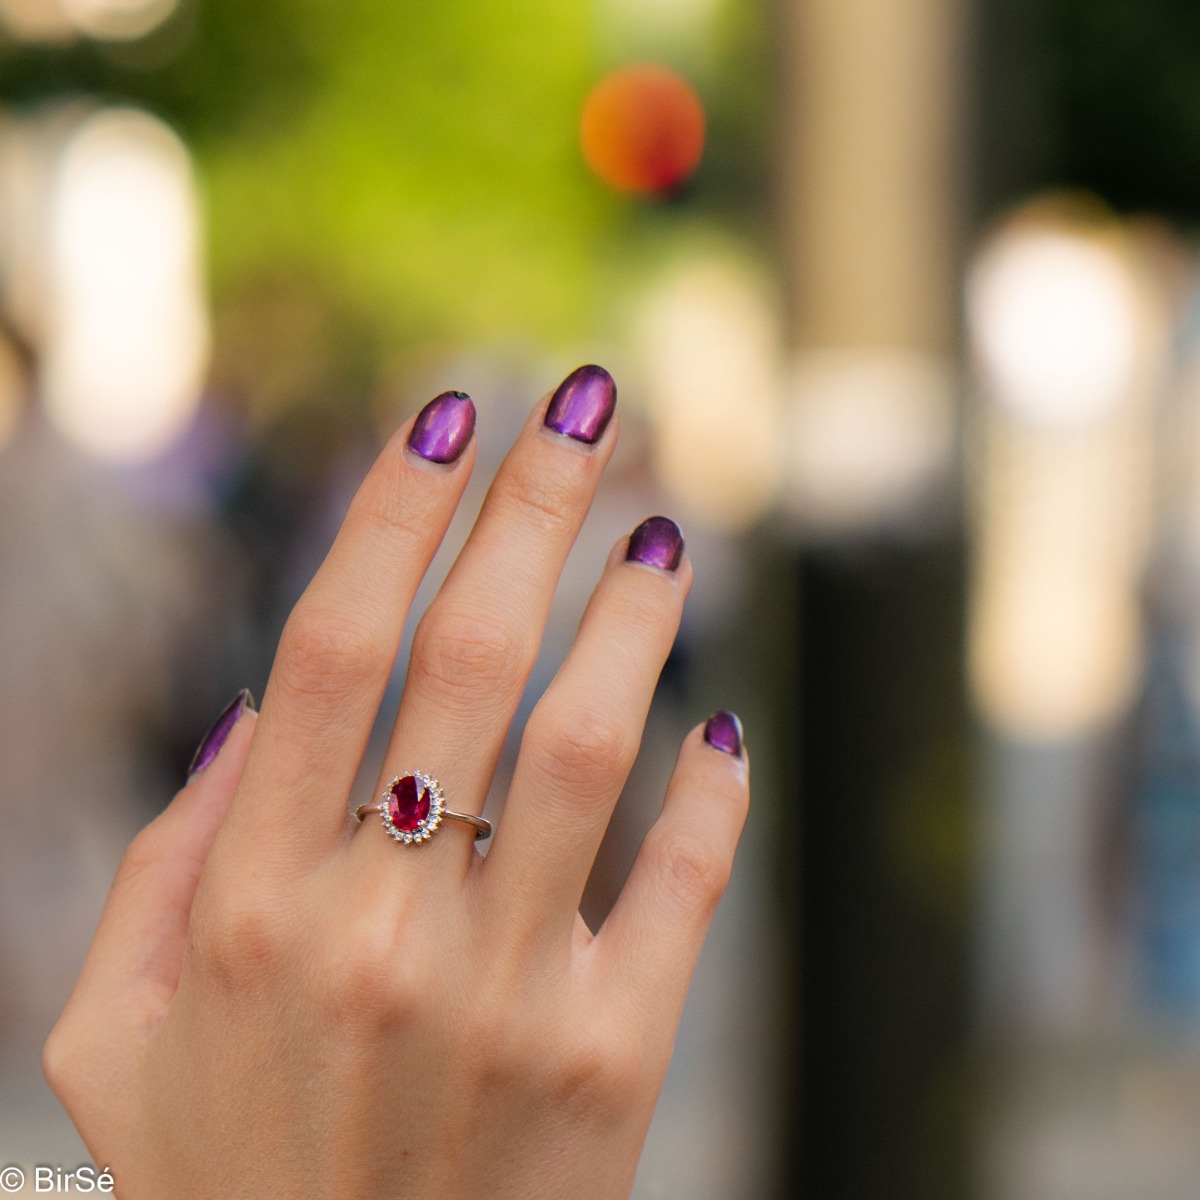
(35, 20)
(869, 431)
(128, 332)
(117, 20)
(1054, 319)
(711, 350)
(1054, 654)
(1068, 321)
(60, 20)
(1062, 532)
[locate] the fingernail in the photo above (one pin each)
(582, 405)
(724, 732)
(656, 542)
(443, 427)
(215, 738)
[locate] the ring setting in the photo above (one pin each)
(412, 808)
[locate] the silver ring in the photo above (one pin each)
(412, 807)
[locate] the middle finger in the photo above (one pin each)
(477, 642)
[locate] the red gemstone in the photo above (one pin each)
(409, 804)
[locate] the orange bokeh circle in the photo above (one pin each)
(642, 129)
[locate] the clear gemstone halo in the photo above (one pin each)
(412, 807)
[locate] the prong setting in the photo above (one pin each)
(428, 824)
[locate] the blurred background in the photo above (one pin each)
(903, 303)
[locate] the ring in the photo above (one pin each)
(412, 807)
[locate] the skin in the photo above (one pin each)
(281, 1002)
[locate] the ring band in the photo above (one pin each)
(412, 807)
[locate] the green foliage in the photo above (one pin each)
(413, 169)
(432, 173)
(419, 160)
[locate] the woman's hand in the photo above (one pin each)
(281, 1002)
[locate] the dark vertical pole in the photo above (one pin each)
(880, 862)
(876, 872)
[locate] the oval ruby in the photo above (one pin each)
(409, 803)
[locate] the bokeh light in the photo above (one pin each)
(127, 338)
(1066, 333)
(1054, 317)
(1056, 647)
(711, 354)
(35, 21)
(62, 20)
(642, 130)
(870, 433)
(118, 20)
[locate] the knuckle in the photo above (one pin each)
(590, 1068)
(502, 1058)
(544, 497)
(237, 941)
(324, 654)
(364, 989)
(598, 1073)
(641, 608)
(459, 654)
(696, 872)
(385, 507)
(580, 753)
(142, 854)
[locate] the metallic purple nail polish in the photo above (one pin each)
(724, 731)
(443, 427)
(215, 738)
(656, 542)
(583, 404)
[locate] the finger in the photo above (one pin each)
(475, 646)
(648, 946)
(583, 735)
(339, 645)
(136, 956)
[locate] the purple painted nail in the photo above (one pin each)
(724, 731)
(656, 542)
(443, 427)
(582, 405)
(214, 739)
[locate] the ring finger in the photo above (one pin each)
(582, 737)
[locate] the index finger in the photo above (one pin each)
(340, 643)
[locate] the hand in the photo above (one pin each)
(282, 1002)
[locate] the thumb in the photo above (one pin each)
(135, 959)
